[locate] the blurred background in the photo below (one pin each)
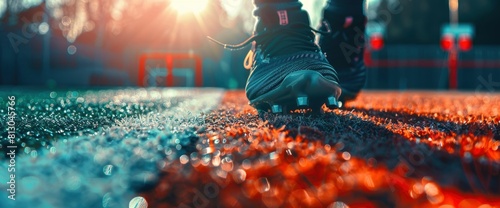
(423, 44)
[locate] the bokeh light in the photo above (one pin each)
(3, 7)
(43, 28)
(189, 6)
(72, 49)
(138, 202)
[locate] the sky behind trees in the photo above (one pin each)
(415, 21)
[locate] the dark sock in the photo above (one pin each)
(268, 16)
(274, 15)
(345, 7)
(293, 5)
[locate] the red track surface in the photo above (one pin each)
(386, 149)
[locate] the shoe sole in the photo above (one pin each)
(300, 90)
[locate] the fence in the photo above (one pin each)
(426, 67)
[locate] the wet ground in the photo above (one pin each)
(208, 148)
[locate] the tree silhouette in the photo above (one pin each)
(420, 21)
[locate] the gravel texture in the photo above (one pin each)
(204, 148)
(112, 143)
(387, 149)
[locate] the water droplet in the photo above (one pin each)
(52, 150)
(138, 202)
(43, 28)
(168, 151)
(72, 49)
(346, 155)
(433, 194)
(273, 156)
(34, 154)
(338, 204)
(205, 159)
(239, 176)
(108, 170)
(216, 161)
(246, 164)
(106, 200)
(66, 21)
(431, 189)
(227, 164)
(263, 185)
(27, 150)
(418, 188)
(184, 159)
(80, 100)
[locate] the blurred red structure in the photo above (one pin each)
(447, 42)
(376, 41)
(453, 69)
(169, 61)
(465, 42)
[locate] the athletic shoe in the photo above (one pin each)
(289, 71)
(344, 48)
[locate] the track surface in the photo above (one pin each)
(386, 149)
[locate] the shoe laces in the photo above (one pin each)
(277, 41)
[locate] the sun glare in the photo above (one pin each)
(189, 6)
